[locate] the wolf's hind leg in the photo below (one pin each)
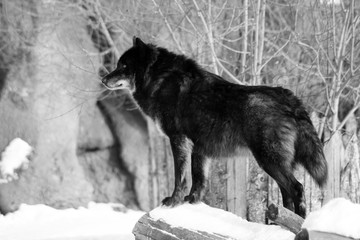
(199, 173)
(180, 153)
(287, 199)
(291, 190)
(299, 199)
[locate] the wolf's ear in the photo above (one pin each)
(137, 42)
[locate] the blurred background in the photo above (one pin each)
(94, 145)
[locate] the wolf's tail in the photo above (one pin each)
(309, 151)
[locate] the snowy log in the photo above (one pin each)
(200, 222)
(148, 228)
(284, 218)
(304, 234)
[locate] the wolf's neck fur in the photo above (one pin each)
(150, 81)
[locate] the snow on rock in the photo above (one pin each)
(338, 216)
(40, 222)
(202, 217)
(14, 157)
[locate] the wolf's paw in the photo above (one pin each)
(171, 201)
(192, 198)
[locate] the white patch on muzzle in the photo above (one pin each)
(120, 84)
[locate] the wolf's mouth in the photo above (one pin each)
(120, 84)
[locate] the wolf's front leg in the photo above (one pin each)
(180, 154)
(199, 172)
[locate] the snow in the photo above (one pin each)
(202, 217)
(339, 216)
(105, 222)
(97, 221)
(14, 157)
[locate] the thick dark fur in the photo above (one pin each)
(206, 116)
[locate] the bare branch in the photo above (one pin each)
(352, 38)
(187, 17)
(207, 27)
(245, 39)
(274, 55)
(256, 43)
(262, 34)
(171, 31)
(105, 30)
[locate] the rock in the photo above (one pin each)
(94, 132)
(130, 131)
(108, 180)
(40, 103)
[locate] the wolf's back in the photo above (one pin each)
(309, 151)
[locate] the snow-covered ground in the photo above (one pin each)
(40, 222)
(102, 221)
(97, 221)
(115, 222)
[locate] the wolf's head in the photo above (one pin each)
(131, 65)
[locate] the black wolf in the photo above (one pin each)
(206, 116)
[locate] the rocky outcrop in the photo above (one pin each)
(49, 99)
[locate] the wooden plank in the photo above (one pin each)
(161, 170)
(153, 191)
(216, 191)
(241, 186)
(230, 185)
(334, 151)
(236, 185)
(257, 192)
